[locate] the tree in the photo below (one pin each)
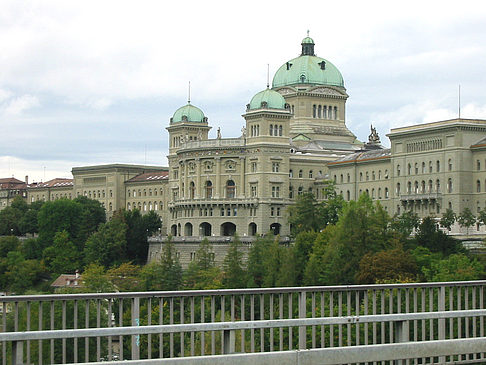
(389, 265)
(93, 214)
(429, 236)
(457, 267)
(406, 223)
(482, 216)
(7, 244)
(303, 215)
(29, 223)
(256, 264)
(466, 219)
(105, 247)
(234, 275)
(202, 273)
(125, 277)
(138, 229)
(9, 221)
(448, 219)
(96, 280)
(152, 222)
(302, 250)
(62, 257)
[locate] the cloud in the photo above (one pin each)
(19, 104)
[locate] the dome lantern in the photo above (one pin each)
(307, 46)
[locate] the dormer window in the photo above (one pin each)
(322, 64)
(289, 65)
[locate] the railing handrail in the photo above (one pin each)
(224, 292)
(330, 355)
(231, 326)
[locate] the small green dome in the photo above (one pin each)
(267, 99)
(308, 40)
(188, 113)
(308, 69)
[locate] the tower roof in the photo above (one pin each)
(188, 113)
(267, 99)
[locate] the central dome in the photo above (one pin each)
(308, 69)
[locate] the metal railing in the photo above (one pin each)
(112, 326)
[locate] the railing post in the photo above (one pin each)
(17, 353)
(401, 335)
(229, 339)
(302, 314)
(441, 308)
(135, 322)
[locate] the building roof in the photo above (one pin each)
(150, 176)
(58, 182)
(188, 113)
(308, 69)
(267, 99)
(11, 183)
(363, 156)
(68, 281)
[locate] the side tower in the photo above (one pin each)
(267, 128)
(187, 124)
(314, 89)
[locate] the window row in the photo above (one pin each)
(424, 168)
(366, 176)
(254, 130)
(145, 206)
(300, 174)
(324, 111)
(426, 188)
(96, 194)
(144, 192)
(375, 193)
(276, 130)
(419, 146)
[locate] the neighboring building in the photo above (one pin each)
(68, 281)
(11, 187)
(58, 188)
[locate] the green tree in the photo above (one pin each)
(429, 236)
(9, 221)
(138, 229)
(202, 273)
(457, 267)
(302, 248)
(234, 274)
(57, 216)
(7, 244)
(93, 214)
(448, 219)
(125, 277)
(406, 223)
(62, 257)
(466, 219)
(96, 279)
(303, 215)
(105, 247)
(256, 263)
(482, 216)
(28, 223)
(152, 222)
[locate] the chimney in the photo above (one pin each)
(27, 179)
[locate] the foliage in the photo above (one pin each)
(406, 223)
(457, 267)
(124, 277)
(9, 221)
(7, 244)
(429, 236)
(301, 251)
(62, 257)
(96, 279)
(448, 219)
(202, 273)
(138, 229)
(234, 275)
(466, 219)
(393, 265)
(105, 247)
(92, 216)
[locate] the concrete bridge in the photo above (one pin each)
(419, 323)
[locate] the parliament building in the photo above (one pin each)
(294, 139)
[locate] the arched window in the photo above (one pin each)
(271, 130)
(314, 111)
(310, 174)
(449, 164)
(301, 174)
(291, 173)
(437, 186)
(360, 176)
(478, 165)
(291, 192)
(379, 193)
(423, 187)
(373, 175)
(387, 194)
(348, 195)
(301, 190)
(319, 108)
(423, 167)
(409, 169)
(437, 166)
(430, 166)
(409, 187)
(416, 168)
(192, 190)
(398, 170)
(348, 177)
(478, 186)
(416, 186)
(209, 189)
(430, 186)
(449, 185)
(280, 131)
(373, 193)
(398, 188)
(230, 189)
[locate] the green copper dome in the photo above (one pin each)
(308, 69)
(267, 99)
(188, 113)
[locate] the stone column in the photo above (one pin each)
(242, 188)
(198, 178)
(218, 177)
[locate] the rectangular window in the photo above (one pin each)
(253, 167)
(253, 191)
(275, 191)
(275, 166)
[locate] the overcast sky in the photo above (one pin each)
(91, 82)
